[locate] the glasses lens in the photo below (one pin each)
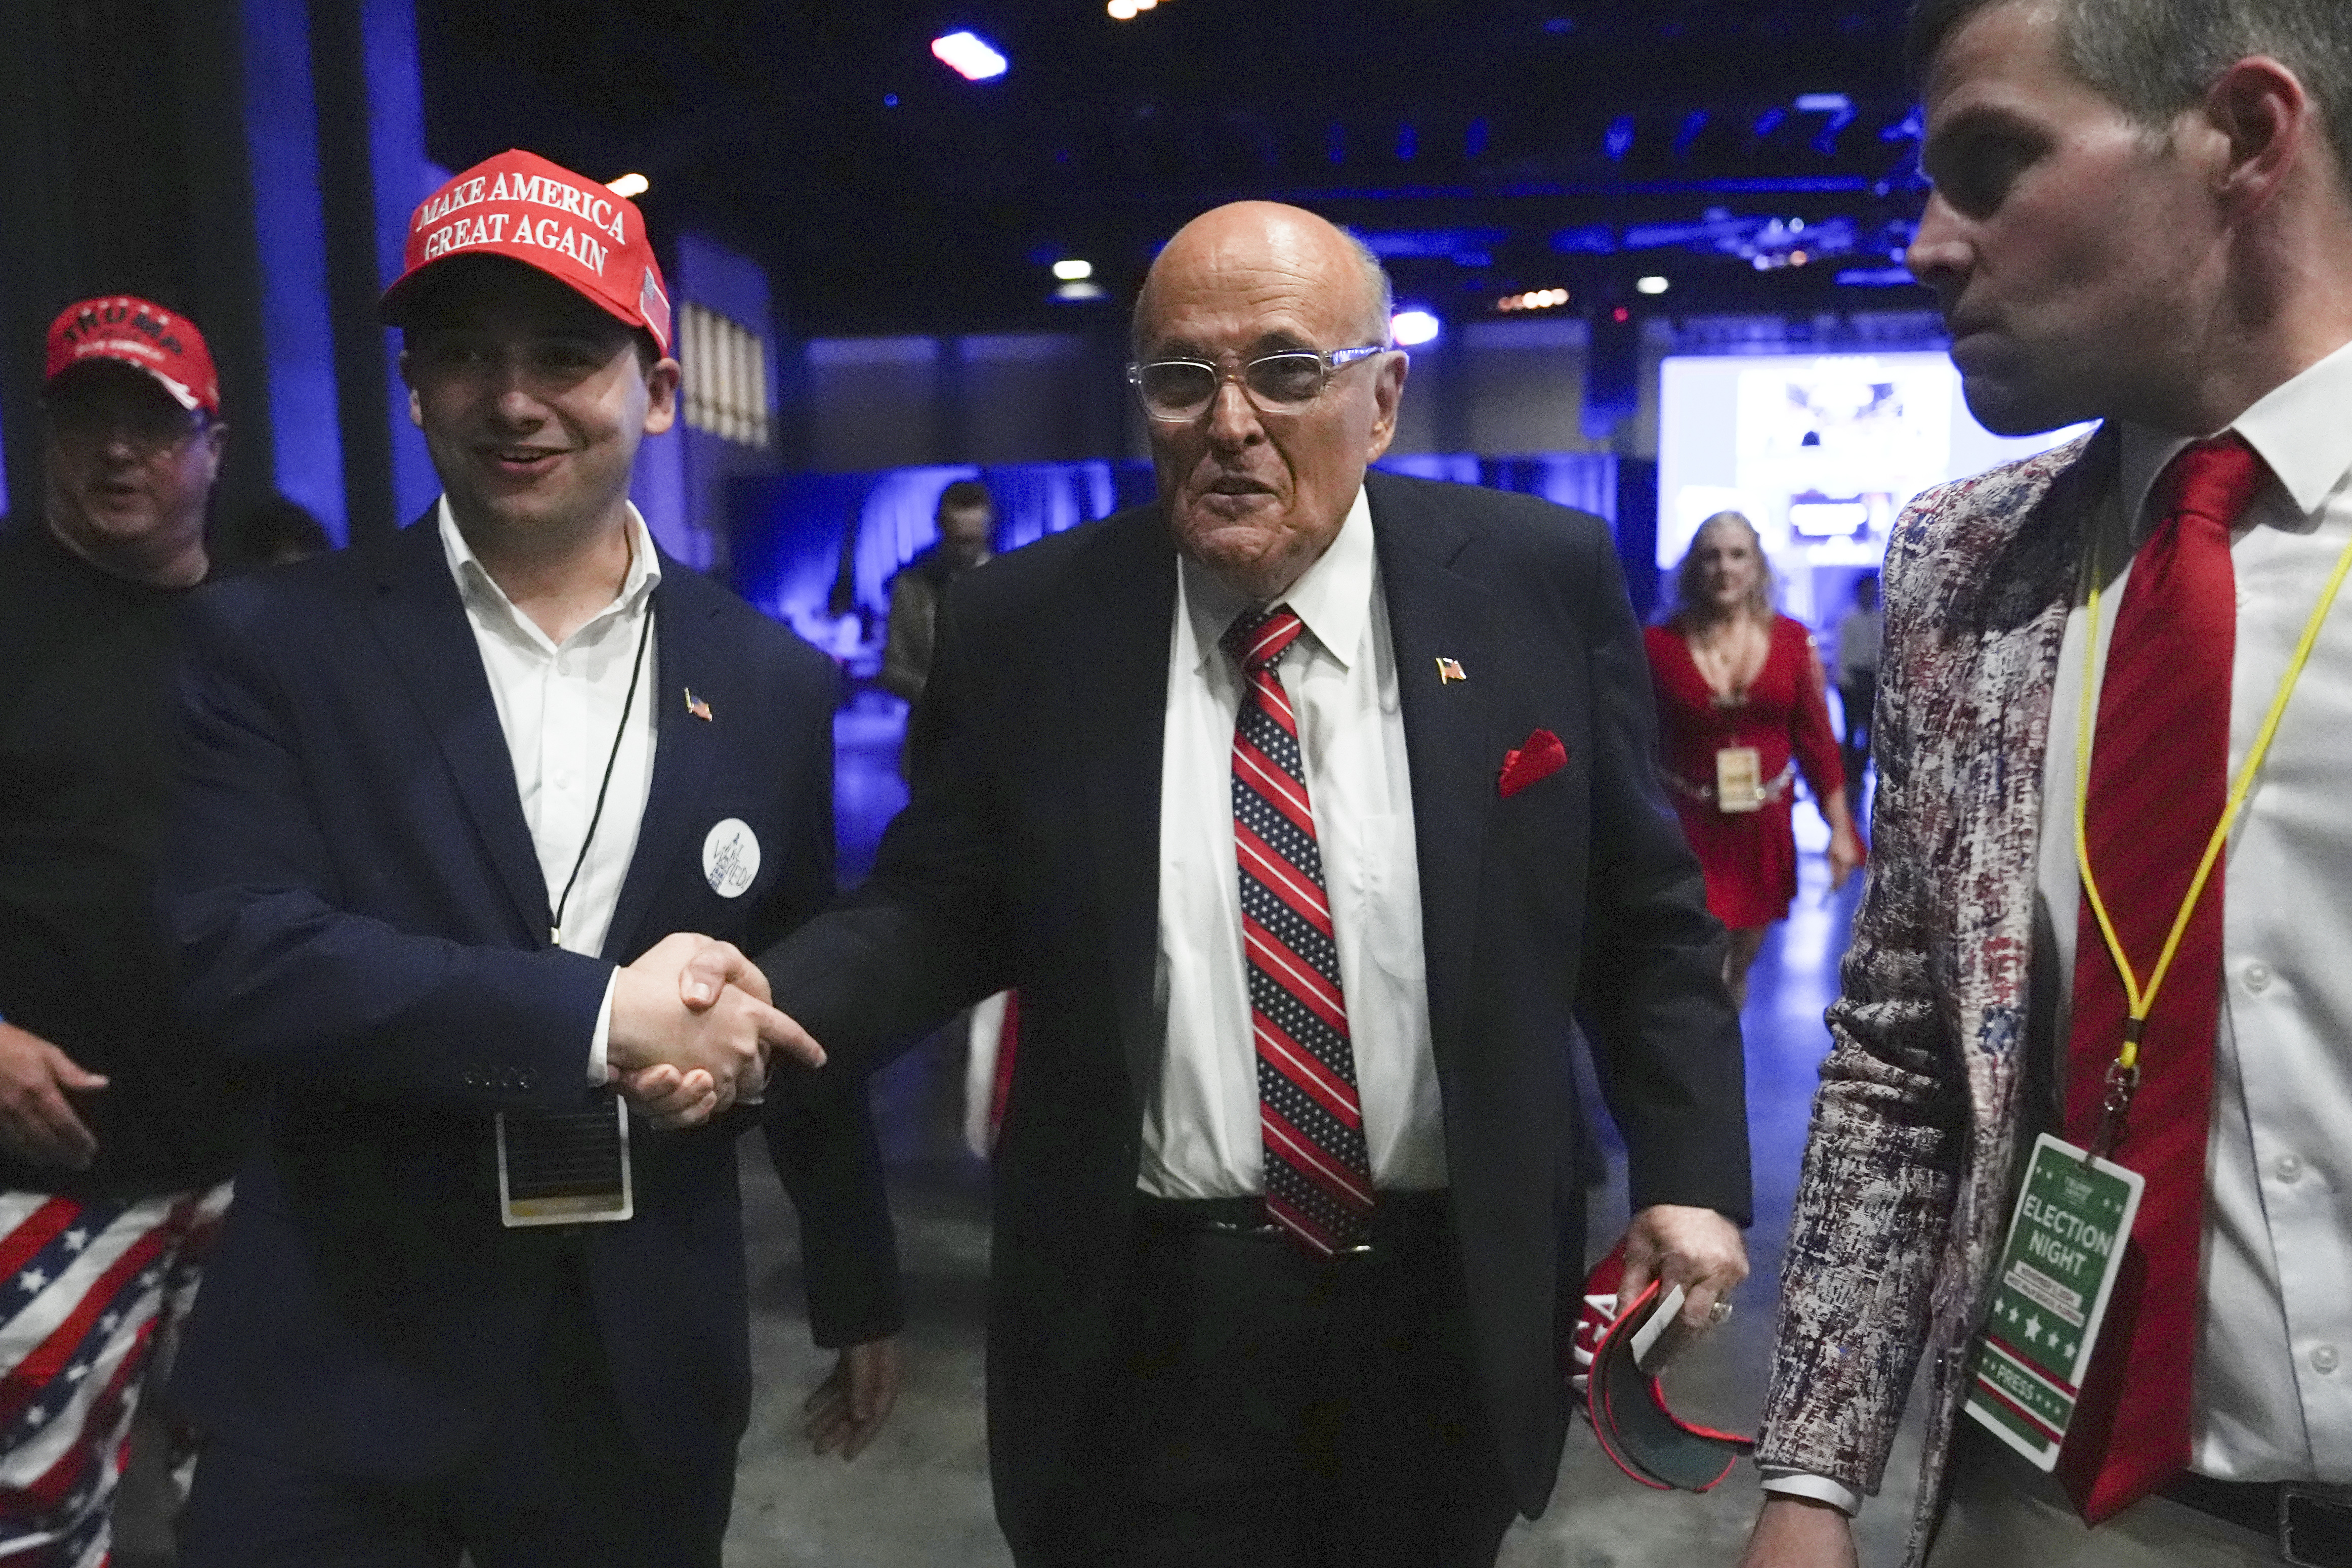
(147, 428)
(1176, 387)
(1284, 380)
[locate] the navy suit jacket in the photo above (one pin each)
(1030, 856)
(357, 909)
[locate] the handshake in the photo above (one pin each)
(693, 1031)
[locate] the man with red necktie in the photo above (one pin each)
(1307, 807)
(2106, 902)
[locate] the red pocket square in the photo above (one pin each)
(1539, 757)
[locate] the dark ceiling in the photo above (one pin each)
(1485, 148)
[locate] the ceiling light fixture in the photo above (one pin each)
(629, 185)
(1413, 328)
(970, 56)
(1074, 270)
(1653, 284)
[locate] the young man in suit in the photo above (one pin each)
(434, 792)
(1287, 1215)
(2143, 215)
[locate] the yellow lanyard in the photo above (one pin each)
(2124, 1074)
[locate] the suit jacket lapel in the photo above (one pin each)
(1451, 750)
(1123, 703)
(422, 626)
(686, 660)
(2005, 588)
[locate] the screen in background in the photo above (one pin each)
(1822, 452)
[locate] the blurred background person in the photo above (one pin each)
(1858, 636)
(119, 1125)
(1742, 705)
(967, 524)
(967, 519)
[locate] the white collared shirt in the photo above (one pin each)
(2274, 1371)
(1202, 1135)
(559, 706)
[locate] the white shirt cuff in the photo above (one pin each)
(600, 1072)
(1819, 1489)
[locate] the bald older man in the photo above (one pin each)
(1307, 808)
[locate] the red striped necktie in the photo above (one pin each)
(2159, 781)
(1318, 1173)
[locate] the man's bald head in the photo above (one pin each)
(1258, 495)
(1274, 227)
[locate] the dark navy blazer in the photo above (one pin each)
(1029, 857)
(357, 909)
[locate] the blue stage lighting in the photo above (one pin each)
(1591, 239)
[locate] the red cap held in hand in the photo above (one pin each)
(1627, 1405)
(134, 331)
(520, 206)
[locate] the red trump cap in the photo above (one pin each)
(520, 206)
(138, 332)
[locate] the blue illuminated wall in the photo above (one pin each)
(816, 550)
(289, 234)
(403, 177)
(334, 153)
(792, 533)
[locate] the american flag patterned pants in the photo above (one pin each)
(90, 1291)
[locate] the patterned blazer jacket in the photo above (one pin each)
(1927, 1099)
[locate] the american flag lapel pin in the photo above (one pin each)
(1449, 671)
(696, 707)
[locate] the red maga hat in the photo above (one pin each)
(134, 331)
(520, 206)
(1623, 1398)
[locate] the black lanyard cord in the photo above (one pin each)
(637, 669)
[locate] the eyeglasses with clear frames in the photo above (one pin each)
(1180, 389)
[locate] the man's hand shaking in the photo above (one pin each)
(693, 1031)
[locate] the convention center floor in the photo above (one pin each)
(918, 1497)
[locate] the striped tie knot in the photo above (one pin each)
(1257, 638)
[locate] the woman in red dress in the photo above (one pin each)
(1741, 707)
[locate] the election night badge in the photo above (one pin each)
(2065, 1246)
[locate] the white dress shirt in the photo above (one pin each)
(560, 705)
(2273, 1381)
(2272, 1394)
(1202, 1135)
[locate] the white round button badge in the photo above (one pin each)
(730, 857)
